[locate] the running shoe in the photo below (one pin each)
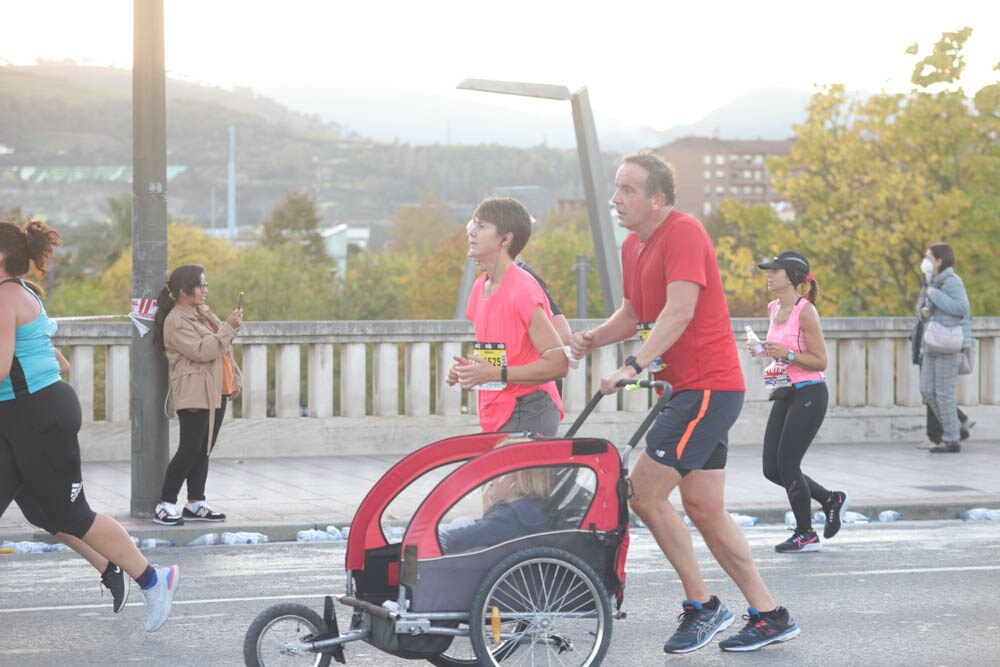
(115, 580)
(200, 511)
(799, 543)
(160, 597)
(834, 511)
(166, 514)
(760, 631)
(698, 625)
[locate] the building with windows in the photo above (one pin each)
(708, 171)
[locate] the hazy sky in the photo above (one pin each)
(657, 62)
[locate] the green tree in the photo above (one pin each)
(555, 244)
(295, 219)
(874, 180)
(421, 227)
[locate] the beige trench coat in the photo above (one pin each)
(194, 354)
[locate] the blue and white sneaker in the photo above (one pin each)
(160, 597)
(698, 625)
(760, 631)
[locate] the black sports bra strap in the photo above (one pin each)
(10, 280)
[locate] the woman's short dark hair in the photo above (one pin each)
(510, 217)
(943, 252)
(183, 279)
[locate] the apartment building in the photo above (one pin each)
(710, 170)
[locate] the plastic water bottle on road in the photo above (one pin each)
(205, 540)
(889, 515)
(980, 514)
(243, 538)
(153, 542)
(744, 520)
(27, 547)
(855, 517)
(314, 535)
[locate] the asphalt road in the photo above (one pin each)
(910, 593)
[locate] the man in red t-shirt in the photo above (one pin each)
(673, 298)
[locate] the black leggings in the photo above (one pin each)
(190, 463)
(795, 419)
(40, 458)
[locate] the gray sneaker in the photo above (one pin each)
(160, 597)
(698, 625)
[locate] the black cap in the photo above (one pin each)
(789, 261)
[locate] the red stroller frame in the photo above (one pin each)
(411, 599)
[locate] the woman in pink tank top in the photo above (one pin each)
(800, 396)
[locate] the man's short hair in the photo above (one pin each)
(660, 174)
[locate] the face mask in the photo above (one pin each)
(927, 267)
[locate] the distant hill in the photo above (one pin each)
(361, 157)
(469, 118)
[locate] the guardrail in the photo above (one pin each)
(392, 368)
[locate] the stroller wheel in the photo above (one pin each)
(275, 637)
(546, 606)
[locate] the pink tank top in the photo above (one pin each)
(790, 336)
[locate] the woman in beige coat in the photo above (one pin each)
(203, 377)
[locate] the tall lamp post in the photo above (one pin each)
(608, 263)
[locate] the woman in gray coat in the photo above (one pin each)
(947, 304)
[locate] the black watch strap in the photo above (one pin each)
(630, 361)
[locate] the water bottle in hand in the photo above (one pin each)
(756, 347)
(887, 516)
(243, 538)
(205, 540)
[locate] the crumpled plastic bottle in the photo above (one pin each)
(315, 535)
(243, 538)
(744, 520)
(207, 539)
(26, 547)
(153, 542)
(855, 517)
(980, 514)
(887, 516)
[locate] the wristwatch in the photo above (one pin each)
(790, 357)
(630, 361)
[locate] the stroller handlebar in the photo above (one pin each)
(662, 385)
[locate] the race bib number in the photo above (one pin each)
(496, 354)
(776, 375)
(643, 329)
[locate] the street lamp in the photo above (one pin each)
(608, 265)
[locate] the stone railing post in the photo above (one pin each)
(254, 394)
(286, 381)
(320, 380)
(353, 379)
(116, 397)
(81, 363)
(385, 373)
(418, 364)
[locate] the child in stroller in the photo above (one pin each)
(512, 507)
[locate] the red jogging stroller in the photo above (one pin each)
(538, 598)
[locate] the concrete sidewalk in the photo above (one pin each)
(280, 496)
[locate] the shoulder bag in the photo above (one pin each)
(940, 339)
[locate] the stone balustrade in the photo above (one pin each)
(392, 368)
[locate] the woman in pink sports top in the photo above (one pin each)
(517, 354)
(799, 394)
